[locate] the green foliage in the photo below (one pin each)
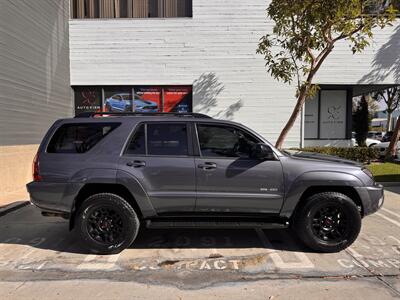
(360, 154)
(361, 122)
(388, 172)
(305, 33)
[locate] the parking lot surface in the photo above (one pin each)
(36, 249)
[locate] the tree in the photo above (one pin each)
(391, 151)
(361, 121)
(391, 97)
(305, 33)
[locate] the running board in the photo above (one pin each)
(160, 224)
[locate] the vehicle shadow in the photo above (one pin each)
(393, 189)
(53, 234)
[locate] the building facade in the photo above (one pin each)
(34, 84)
(169, 55)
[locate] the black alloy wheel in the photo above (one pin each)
(330, 223)
(327, 222)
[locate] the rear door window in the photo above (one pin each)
(137, 145)
(79, 138)
(165, 139)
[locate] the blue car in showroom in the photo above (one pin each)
(123, 103)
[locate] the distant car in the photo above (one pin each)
(369, 142)
(387, 137)
(382, 147)
(377, 135)
(123, 103)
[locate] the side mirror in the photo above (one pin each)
(263, 152)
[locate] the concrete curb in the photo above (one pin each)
(12, 207)
(389, 184)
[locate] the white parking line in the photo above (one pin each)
(388, 219)
(394, 238)
(89, 263)
(303, 263)
(390, 212)
(354, 252)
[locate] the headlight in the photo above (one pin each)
(368, 172)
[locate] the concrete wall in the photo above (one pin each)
(34, 83)
(216, 52)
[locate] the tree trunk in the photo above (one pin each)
(391, 151)
(296, 111)
(303, 94)
(389, 121)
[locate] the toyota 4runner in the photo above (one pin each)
(110, 174)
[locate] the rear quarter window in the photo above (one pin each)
(79, 138)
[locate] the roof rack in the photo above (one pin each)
(105, 113)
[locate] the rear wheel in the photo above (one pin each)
(328, 222)
(107, 223)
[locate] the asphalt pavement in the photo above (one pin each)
(40, 258)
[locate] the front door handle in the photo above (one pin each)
(208, 166)
(136, 164)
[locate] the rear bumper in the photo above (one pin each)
(49, 196)
(372, 198)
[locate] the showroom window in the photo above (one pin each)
(140, 99)
(110, 9)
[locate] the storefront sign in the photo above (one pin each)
(87, 99)
(148, 99)
(178, 99)
(333, 114)
(141, 99)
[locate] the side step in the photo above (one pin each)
(159, 224)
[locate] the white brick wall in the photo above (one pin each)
(215, 51)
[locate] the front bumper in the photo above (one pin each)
(372, 198)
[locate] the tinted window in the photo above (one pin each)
(167, 139)
(224, 141)
(138, 142)
(79, 138)
(110, 9)
(126, 97)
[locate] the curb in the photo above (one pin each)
(12, 207)
(389, 184)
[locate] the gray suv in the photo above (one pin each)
(110, 174)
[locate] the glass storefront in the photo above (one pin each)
(143, 99)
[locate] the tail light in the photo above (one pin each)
(35, 169)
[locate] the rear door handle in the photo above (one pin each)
(208, 166)
(136, 164)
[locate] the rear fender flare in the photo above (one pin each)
(137, 191)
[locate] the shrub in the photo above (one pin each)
(360, 154)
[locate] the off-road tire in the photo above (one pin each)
(303, 221)
(115, 204)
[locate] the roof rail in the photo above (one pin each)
(124, 114)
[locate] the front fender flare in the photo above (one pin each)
(314, 179)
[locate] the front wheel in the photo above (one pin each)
(328, 222)
(107, 223)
